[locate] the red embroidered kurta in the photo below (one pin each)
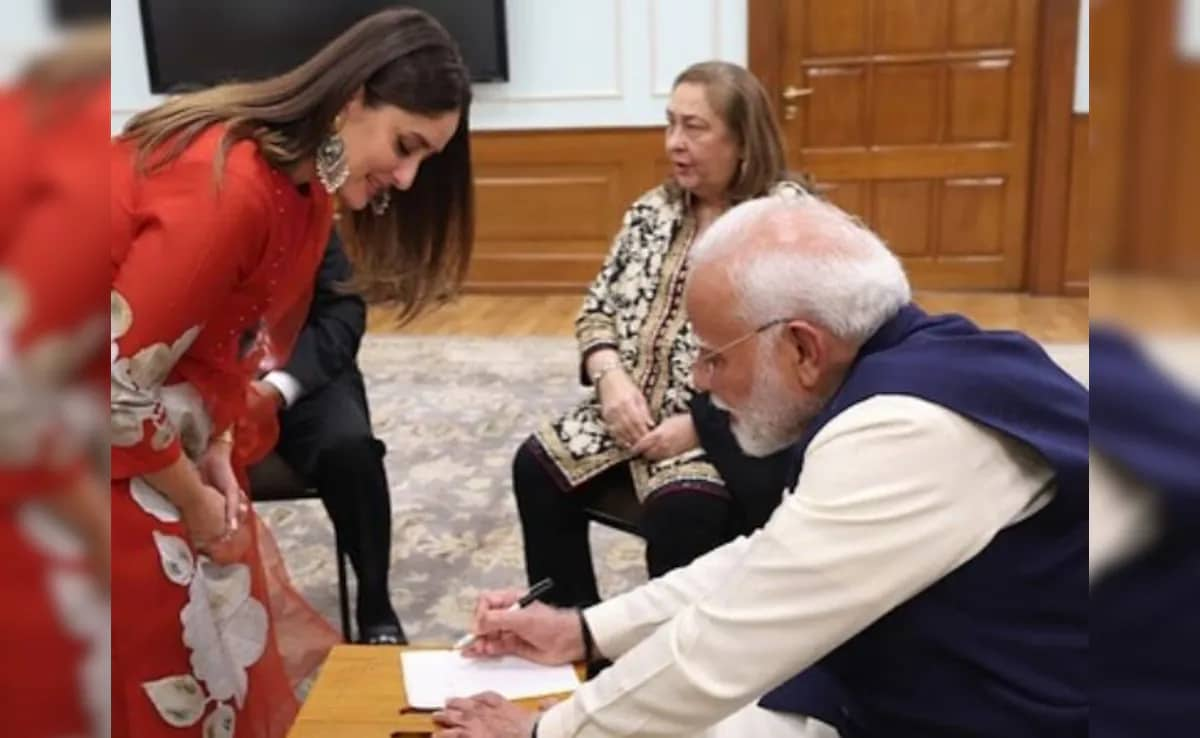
(209, 285)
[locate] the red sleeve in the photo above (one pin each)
(190, 242)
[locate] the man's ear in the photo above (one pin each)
(809, 349)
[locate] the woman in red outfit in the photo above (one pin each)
(54, 528)
(222, 205)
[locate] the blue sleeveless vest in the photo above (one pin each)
(1145, 637)
(999, 647)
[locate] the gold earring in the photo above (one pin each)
(333, 168)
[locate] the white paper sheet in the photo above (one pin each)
(432, 677)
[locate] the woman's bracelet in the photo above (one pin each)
(605, 369)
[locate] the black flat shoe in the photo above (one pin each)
(383, 635)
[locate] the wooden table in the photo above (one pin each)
(359, 693)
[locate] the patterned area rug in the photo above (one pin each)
(452, 412)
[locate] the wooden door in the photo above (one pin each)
(915, 115)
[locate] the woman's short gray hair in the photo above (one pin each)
(805, 258)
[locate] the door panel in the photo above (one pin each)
(978, 108)
(978, 24)
(906, 104)
(837, 106)
(833, 29)
(892, 206)
(972, 217)
(909, 25)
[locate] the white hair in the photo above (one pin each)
(803, 258)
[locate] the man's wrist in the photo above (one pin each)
(285, 388)
(585, 634)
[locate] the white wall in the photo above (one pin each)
(572, 63)
(130, 76)
(1189, 29)
(25, 30)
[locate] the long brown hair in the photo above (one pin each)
(417, 252)
(737, 96)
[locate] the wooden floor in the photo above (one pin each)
(1051, 319)
(1152, 305)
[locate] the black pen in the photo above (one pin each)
(527, 599)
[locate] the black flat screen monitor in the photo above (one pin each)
(192, 44)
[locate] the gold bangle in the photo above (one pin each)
(599, 373)
(225, 436)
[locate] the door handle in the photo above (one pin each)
(795, 93)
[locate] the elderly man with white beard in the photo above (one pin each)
(926, 573)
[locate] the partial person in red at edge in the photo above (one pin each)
(54, 523)
(223, 202)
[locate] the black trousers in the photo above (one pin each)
(678, 526)
(326, 436)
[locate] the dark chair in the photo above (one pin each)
(273, 480)
(617, 507)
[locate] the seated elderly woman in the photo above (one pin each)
(642, 425)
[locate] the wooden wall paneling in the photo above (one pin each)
(1052, 147)
(1183, 220)
(1179, 252)
(1148, 191)
(1146, 144)
(550, 202)
(1111, 67)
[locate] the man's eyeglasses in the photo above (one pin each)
(707, 359)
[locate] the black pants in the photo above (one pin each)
(678, 527)
(326, 436)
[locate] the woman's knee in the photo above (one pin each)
(680, 527)
(528, 473)
(700, 518)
